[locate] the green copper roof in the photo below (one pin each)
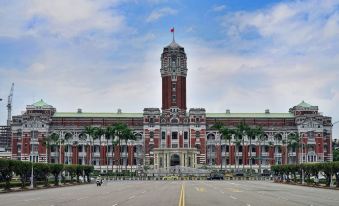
(40, 103)
(100, 115)
(249, 115)
(304, 104)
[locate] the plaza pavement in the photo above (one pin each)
(168, 193)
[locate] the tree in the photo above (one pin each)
(50, 141)
(97, 133)
(293, 141)
(240, 133)
(56, 170)
(71, 169)
(127, 134)
(41, 171)
(88, 169)
(79, 172)
(109, 134)
(23, 169)
(259, 133)
(119, 128)
(336, 155)
(251, 132)
(68, 137)
(6, 172)
(89, 130)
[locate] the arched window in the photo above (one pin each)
(210, 137)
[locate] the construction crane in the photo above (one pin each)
(9, 105)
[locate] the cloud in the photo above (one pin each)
(159, 13)
(218, 8)
(60, 18)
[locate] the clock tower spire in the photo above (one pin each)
(173, 73)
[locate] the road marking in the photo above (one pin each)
(82, 198)
(115, 204)
(32, 199)
(131, 197)
(222, 192)
(200, 189)
(234, 198)
(182, 196)
(248, 205)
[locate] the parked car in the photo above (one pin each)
(171, 177)
(239, 173)
(215, 176)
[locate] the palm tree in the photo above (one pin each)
(97, 133)
(240, 132)
(109, 133)
(293, 141)
(251, 132)
(89, 130)
(259, 133)
(83, 138)
(227, 135)
(127, 134)
(49, 142)
(68, 136)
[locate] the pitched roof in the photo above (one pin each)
(249, 115)
(41, 103)
(98, 115)
(304, 104)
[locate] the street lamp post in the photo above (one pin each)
(302, 161)
(331, 182)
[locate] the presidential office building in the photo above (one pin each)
(173, 135)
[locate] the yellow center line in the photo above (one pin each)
(182, 196)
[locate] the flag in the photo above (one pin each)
(172, 29)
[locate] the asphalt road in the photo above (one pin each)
(167, 193)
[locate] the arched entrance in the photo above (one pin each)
(175, 160)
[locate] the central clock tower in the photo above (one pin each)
(173, 73)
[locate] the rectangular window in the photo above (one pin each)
(185, 135)
(174, 145)
(151, 135)
(174, 135)
(163, 135)
(174, 98)
(174, 87)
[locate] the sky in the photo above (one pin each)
(246, 56)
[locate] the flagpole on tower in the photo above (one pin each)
(172, 31)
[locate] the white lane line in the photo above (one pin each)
(81, 198)
(131, 197)
(248, 205)
(32, 199)
(234, 198)
(115, 204)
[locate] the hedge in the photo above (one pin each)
(9, 168)
(328, 169)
